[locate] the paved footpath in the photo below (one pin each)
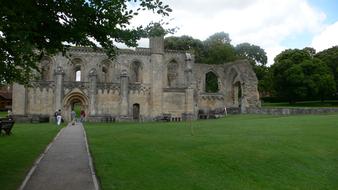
(65, 165)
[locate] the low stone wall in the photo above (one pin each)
(291, 111)
(31, 118)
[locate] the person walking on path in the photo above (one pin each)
(225, 111)
(10, 115)
(73, 116)
(58, 118)
(55, 116)
(82, 116)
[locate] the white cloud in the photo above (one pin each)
(327, 38)
(266, 23)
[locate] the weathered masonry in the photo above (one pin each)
(141, 84)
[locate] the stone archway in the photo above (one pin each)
(237, 93)
(136, 112)
(72, 99)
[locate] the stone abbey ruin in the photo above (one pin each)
(141, 84)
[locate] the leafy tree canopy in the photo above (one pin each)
(184, 43)
(330, 58)
(297, 75)
(218, 38)
(255, 54)
(214, 50)
(30, 29)
(218, 49)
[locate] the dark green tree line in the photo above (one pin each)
(297, 74)
(330, 58)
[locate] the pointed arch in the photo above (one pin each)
(105, 75)
(235, 87)
(77, 69)
(46, 65)
(211, 82)
(172, 73)
(136, 72)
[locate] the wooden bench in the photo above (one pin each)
(6, 126)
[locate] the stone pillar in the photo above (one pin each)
(188, 70)
(189, 100)
(19, 105)
(243, 101)
(58, 93)
(156, 59)
(92, 92)
(124, 106)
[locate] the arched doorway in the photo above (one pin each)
(136, 112)
(237, 94)
(74, 100)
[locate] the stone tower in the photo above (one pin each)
(156, 45)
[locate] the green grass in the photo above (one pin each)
(3, 114)
(314, 104)
(19, 151)
(239, 152)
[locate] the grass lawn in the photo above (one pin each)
(315, 104)
(3, 114)
(19, 151)
(245, 152)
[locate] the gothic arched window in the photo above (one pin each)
(45, 69)
(172, 73)
(77, 73)
(135, 74)
(211, 82)
(104, 74)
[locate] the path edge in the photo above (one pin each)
(90, 160)
(37, 161)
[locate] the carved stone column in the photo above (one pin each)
(92, 92)
(58, 94)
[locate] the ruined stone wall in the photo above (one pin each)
(211, 101)
(40, 99)
(174, 101)
(178, 59)
(157, 81)
(141, 97)
(237, 85)
(108, 102)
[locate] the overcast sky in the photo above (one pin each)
(274, 25)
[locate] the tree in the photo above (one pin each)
(186, 43)
(219, 53)
(255, 54)
(218, 49)
(214, 50)
(218, 38)
(310, 50)
(330, 58)
(31, 29)
(297, 75)
(258, 59)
